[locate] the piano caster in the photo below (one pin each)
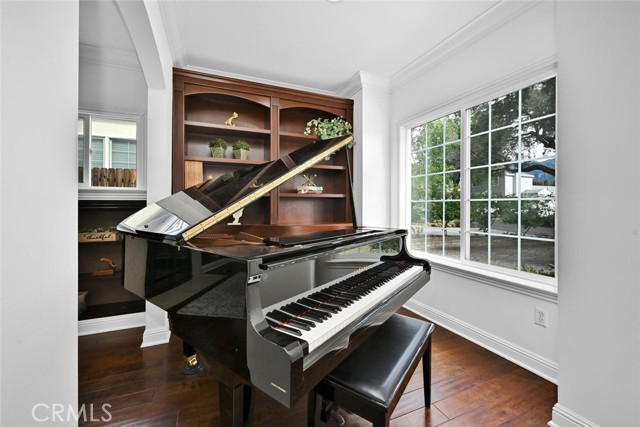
(330, 409)
(192, 366)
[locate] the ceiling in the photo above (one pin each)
(314, 44)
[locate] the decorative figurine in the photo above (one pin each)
(309, 186)
(229, 121)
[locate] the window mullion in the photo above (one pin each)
(465, 183)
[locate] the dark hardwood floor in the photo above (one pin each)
(121, 384)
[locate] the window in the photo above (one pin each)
(110, 146)
(497, 205)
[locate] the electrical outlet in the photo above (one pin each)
(540, 317)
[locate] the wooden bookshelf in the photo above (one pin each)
(272, 120)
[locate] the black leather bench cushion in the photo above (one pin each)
(377, 368)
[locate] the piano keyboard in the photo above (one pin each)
(317, 315)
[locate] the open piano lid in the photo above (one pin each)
(187, 213)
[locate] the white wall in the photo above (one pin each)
(599, 294)
(111, 82)
(493, 316)
(38, 185)
(372, 99)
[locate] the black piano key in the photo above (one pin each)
(346, 295)
(336, 299)
(323, 299)
(279, 316)
(305, 314)
(320, 306)
(301, 314)
(290, 318)
(310, 310)
(280, 326)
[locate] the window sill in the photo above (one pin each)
(508, 282)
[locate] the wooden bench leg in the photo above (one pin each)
(426, 374)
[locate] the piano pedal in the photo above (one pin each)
(330, 409)
(192, 365)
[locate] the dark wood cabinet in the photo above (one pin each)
(272, 120)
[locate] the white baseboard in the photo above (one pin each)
(155, 336)
(535, 363)
(109, 324)
(563, 417)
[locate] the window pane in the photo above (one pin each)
(480, 150)
(418, 188)
(504, 110)
(97, 152)
(452, 214)
(435, 159)
(434, 187)
(538, 178)
(417, 238)
(113, 146)
(80, 149)
(434, 241)
(452, 156)
(418, 138)
(504, 145)
(435, 133)
(123, 154)
(434, 214)
(452, 127)
(504, 252)
(418, 213)
(452, 185)
(537, 218)
(479, 214)
(478, 248)
(504, 217)
(539, 138)
(504, 181)
(539, 99)
(418, 163)
(479, 118)
(538, 257)
(479, 183)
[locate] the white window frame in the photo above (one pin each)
(527, 283)
(88, 192)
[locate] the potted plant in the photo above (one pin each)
(328, 128)
(241, 149)
(218, 147)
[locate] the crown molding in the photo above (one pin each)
(259, 80)
(364, 80)
(487, 22)
(109, 57)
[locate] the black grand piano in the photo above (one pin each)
(278, 307)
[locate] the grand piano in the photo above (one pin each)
(277, 306)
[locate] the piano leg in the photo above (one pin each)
(235, 404)
(192, 366)
(311, 408)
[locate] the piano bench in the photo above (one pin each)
(372, 379)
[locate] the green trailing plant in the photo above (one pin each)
(218, 143)
(328, 128)
(241, 144)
